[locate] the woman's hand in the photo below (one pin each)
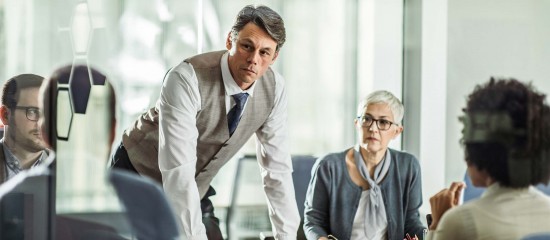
(444, 200)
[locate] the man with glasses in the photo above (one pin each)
(22, 146)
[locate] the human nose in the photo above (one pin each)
(373, 126)
(253, 58)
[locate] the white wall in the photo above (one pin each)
(503, 38)
(450, 46)
(424, 88)
(380, 49)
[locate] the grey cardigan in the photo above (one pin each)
(332, 198)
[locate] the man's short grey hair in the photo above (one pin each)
(385, 97)
(265, 18)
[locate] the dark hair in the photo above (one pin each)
(516, 157)
(263, 17)
(14, 85)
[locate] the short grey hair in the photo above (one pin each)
(265, 18)
(385, 97)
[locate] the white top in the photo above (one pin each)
(358, 228)
(500, 213)
(179, 102)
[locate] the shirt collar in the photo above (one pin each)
(231, 88)
(11, 160)
(496, 189)
(13, 163)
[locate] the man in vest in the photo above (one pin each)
(209, 106)
(22, 146)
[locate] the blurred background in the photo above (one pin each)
(430, 53)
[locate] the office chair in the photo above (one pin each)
(247, 215)
(301, 175)
(539, 236)
(471, 192)
(25, 200)
(147, 208)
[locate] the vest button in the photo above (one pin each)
(214, 158)
(224, 145)
(203, 170)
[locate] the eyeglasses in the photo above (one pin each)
(382, 124)
(33, 113)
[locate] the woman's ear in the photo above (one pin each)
(398, 131)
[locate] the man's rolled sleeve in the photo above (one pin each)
(179, 101)
(276, 168)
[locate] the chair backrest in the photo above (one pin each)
(245, 182)
(544, 188)
(25, 204)
(539, 236)
(471, 192)
(301, 175)
(147, 208)
(302, 165)
(24, 211)
(247, 215)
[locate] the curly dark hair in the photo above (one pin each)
(522, 160)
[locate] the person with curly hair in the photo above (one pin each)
(506, 139)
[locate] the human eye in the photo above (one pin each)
(34, 111)
(265, 53)
(367, 119)
(384, 123)
(246, 46)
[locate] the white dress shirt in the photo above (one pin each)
(179, 103)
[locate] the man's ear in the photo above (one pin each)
(228, 42)
(4, 114)
(275, 57)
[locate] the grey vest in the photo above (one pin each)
(214, 145)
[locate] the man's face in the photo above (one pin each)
(25, 133)
(251, 54)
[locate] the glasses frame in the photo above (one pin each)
(360, 119)
(28, 112)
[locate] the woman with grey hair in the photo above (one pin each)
(368, 191)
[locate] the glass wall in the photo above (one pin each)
(336, 52)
